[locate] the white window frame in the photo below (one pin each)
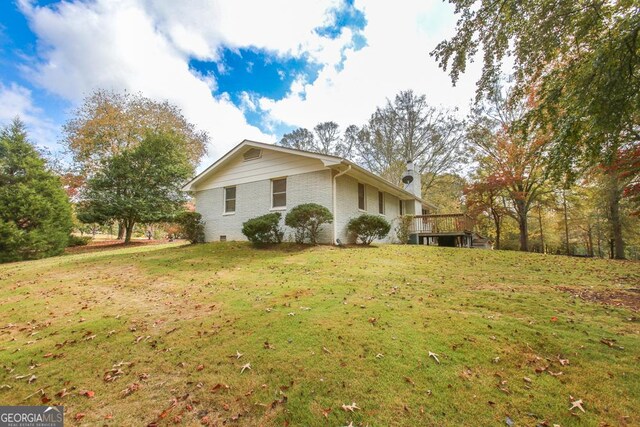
(364, 198)
(224, 200)
(381, 198)
(278, 208)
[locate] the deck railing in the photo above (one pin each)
(441, 223)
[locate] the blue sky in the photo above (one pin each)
(239, 69)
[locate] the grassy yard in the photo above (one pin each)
(160, 334)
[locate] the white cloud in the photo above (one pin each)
(146, 45)
(17, 101)
(399, 38)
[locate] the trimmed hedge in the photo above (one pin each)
(264, 229)
(367, 228)
(306, 220)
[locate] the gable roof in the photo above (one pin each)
(327, 160)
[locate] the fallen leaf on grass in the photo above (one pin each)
(611, 343)
(62, 393)
(32, 379)
(350, 408)
(576, 404)
(130, 389)
(219, 386)
(435, 357)
(245, 367)
(326, 350)
(326, 412)
(409, 380)
(79, 416)
(89, 393)
(200, 367)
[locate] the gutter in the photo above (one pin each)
(335, 204)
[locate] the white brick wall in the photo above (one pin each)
(254, 199)
(347, 200)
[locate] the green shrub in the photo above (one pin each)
(191, 226)
(402, 229)
(306, 220)
(78, 240)
(264, 229)
(367, 228)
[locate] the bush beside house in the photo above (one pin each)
(264, 229)
(367, 228)
(191, 226)
(307, 220)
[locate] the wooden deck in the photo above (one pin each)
(442, 225)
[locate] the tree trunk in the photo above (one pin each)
(614, 216)
(521, 210)
(590, 240)
(121, 230)
(496, 221)
(566, 222)
(128, 232)
(541, 231)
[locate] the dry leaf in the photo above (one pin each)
(350, 408)
(245, 367)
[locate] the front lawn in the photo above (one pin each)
(160, 334)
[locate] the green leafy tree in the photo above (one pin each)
(307, 220)
(367, 228)
(109, 122)
(35, 214)
(583, 61)
(141, 184)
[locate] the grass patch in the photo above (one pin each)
(154, 331)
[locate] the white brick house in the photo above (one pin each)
(256, 178)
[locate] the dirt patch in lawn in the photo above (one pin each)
(628, 298)
(103, 245)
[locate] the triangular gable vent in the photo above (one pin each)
(252, 154)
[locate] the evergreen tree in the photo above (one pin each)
(35, 213)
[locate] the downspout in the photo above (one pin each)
(335, 204)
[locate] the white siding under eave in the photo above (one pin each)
(271, 164)
(347, 201)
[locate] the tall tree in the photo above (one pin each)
(325, 139)
(561, 48)
(141, 184)
(486, 196)
(109, 122)
(516, 155)
(583, 58)
(35, 213)
(409, 129)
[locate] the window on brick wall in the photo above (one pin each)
(361, 198)
(279, 193)
(229, 199)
